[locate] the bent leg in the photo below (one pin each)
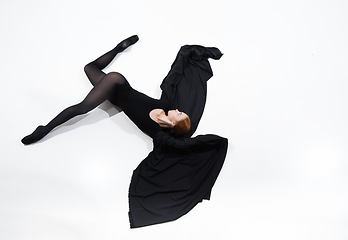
(94, 69)
(103, 90)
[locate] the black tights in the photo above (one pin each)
(105, 86)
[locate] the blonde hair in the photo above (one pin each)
(181, 127)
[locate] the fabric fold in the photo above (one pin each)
(180, 171)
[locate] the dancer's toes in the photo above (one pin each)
(128, 42)
(38, 134)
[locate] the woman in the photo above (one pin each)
(180, 171)
(114, 86)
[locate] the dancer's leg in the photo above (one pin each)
(94, 69)
(102, 91)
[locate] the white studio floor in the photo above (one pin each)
(279, 94)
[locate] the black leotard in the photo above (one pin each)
(137, 107)
(183, 88)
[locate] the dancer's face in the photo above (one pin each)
(175, 116)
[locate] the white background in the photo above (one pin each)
(279, 94)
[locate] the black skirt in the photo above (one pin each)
(180, 171)
(177, 175)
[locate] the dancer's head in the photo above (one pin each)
(180, 121)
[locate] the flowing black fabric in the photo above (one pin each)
(180, 171)
(185, 86)
(176, 175)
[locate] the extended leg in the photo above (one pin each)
(102, 91)
(94, 69)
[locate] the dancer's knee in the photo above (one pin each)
(116, 77)
(87, 68)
